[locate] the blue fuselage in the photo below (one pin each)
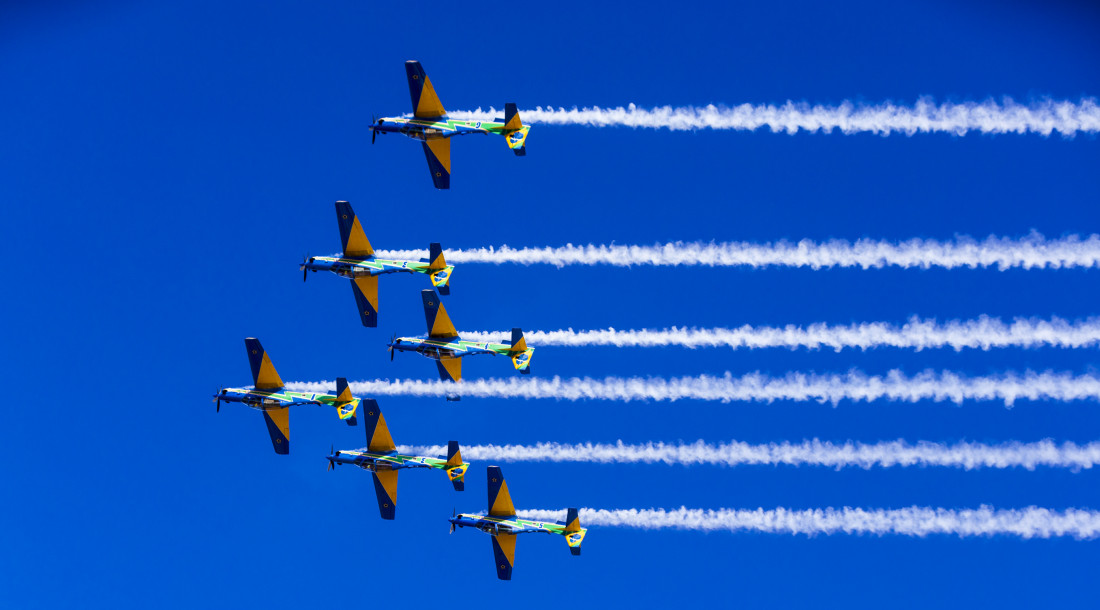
(501, 525)
(428, 129)
(439, 348)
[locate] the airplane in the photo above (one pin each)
(383, 461)
(359, 265)
(503, 525)
(431, 125)
(268, 395)
(444, 346)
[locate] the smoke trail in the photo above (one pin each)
(754, 387)
(984, 333)
(1042, 117)
(1031, 252)
(1030, 522)
(965, 455)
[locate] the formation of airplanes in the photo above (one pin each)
(357, 262)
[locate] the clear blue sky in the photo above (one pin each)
(165, 167)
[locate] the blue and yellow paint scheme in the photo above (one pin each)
(444, 346)
(430, 124)
(362, 268)
(380, 457)
(503, 525)
(268, 396)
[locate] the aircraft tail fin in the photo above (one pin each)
(574, 533)
(439, 270)
(520, 353)
(346, 405)
(456, 469)
(514, 130)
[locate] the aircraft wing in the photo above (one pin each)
(500, 501)
(385, 487)
(439, 323)
(352, 237)
(438, 152)
(450, 368)
(365, 289)
(278, 427)
(378, 433)
(504, 554)
(264, 376)
(425, 102)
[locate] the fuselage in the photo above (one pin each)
(430, 129)
(372, 461)
(506, 525)
(359, 267)
(262, 399)
(449, 348)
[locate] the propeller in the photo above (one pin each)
(373, 131)
(393, 339)
(305, 261)
(218, 399)
(452, 521)
(331, 455)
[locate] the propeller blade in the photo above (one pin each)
(305, 272)
(373, 135)
(452, 521)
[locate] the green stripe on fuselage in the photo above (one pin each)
(400, 459)
(380, 264)
(459, 346)
(454, 124)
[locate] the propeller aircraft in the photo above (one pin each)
(268, 396)
(444, 346)
(359, 265)
(383, 461)
(503, 525)
(431, 125)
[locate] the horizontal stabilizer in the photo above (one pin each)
(574, 533)
(346, 405)
(439, 270)
(456, 470)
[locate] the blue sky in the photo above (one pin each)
(166, 167)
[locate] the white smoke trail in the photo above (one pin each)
(814, 453)
(984, 333)
(1042, 117)
(754, 387)
(1031, 252)
(1030, 522)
